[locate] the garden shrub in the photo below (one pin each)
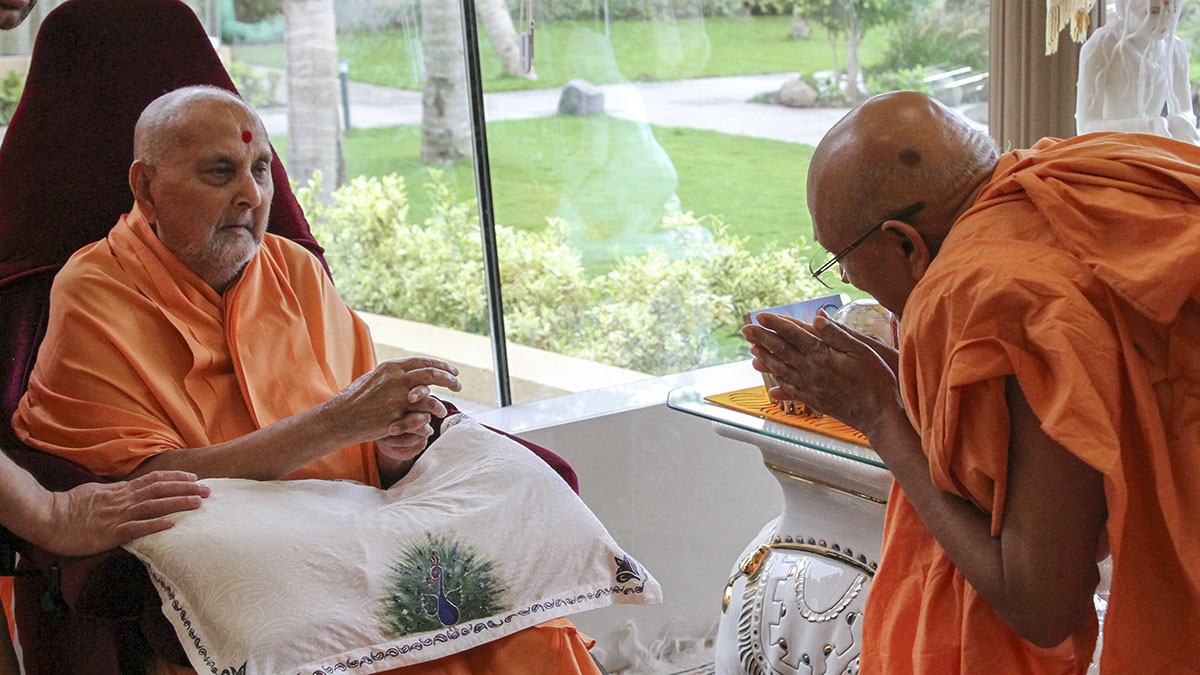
(256, 87)
(905, 78)
(256, 22)
(829, 94)
(931, 38)
(583, 10)
(935, 41)
(253, 11)
(10, 94)
(660, 312)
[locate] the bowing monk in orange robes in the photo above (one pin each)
(1044, 410)
(191, 338)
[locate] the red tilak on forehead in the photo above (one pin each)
(247, 136)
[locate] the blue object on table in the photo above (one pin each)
(805, 310)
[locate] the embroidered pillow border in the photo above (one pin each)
(476, 627)
(379, 655)
(186, 622)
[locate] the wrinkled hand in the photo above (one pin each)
(392, 402)
(884, 350)
(96, 517)
(841, 373)
(408, 437)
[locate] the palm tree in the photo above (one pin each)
(445, 120)
(314, 122)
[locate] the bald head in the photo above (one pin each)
(166, 123)
(895, 150)
(886, 184)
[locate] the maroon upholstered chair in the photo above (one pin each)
(63, 184)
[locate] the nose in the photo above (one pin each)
(250, 192)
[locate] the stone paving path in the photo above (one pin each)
(712, 103)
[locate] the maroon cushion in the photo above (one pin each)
(64, 163)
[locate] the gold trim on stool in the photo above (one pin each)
(821, 483)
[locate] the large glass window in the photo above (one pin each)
(647, 172)
(650, 171)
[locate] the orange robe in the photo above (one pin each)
(141, 357)
(1077, 270)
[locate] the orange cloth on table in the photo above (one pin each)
(1077, 270)
(141, 357)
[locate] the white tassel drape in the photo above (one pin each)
(1060, 14)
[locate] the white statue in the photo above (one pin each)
(1133, 74)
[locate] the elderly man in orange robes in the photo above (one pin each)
(1043, 409)
(93, 517)
(189, 339)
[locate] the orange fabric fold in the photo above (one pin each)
(1076, 272)
(555, 647)
(141, 357)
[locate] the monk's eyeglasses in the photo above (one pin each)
(901, 215)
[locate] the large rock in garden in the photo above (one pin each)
(580, 97)
(797, 94)
(800, 28)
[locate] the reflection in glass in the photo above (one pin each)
(648, 174)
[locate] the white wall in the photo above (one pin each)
(680, 499)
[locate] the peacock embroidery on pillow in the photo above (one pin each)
(436, 583)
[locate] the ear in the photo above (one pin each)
(140, 174)
(911, 244)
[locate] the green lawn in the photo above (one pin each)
(611, 176)
(636, 50)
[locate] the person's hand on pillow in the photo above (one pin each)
(392, 406)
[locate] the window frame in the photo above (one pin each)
(1031, 96)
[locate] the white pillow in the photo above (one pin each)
(324, 576)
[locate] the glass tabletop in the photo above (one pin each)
(690, 400)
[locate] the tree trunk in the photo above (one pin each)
(853, 40)
(445, 117)
(833, 46)
(498, 23)
(314, 113)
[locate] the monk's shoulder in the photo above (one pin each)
(300, 264)
(998, 283)
(92, 271)
(989, 265)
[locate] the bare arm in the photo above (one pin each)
(389, 404)
(1040, 572)
(93, 517)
